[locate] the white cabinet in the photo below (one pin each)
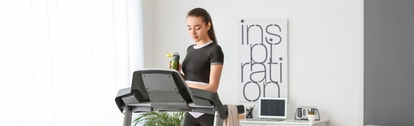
(282, 123)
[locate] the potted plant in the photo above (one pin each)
(159, 118)
(311, 116)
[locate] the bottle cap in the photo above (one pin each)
(169, 55)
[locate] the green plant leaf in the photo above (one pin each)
(159, 118)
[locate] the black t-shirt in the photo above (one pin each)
(197, 62)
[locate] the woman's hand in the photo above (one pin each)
(179, 69)
(179, 66)
(169, 65)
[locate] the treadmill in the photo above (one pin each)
(165, 90)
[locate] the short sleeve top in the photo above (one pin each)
(197, 62)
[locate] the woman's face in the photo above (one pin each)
(198, 29)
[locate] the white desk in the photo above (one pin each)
(289, 122)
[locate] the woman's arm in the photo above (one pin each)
(215, 74)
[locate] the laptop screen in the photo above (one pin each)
(272, 108)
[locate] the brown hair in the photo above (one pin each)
(200, 12)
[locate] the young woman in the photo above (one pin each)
(203, 63)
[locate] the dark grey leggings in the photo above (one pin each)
(204, 120)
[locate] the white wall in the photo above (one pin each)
(325, 48)
(148, 32)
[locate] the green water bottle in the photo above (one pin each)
(175, 61)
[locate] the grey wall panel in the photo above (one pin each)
(389, 62)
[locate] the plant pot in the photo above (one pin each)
(311, 118)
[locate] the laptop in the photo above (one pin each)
(272, 109)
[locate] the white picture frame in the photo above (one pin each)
(262, 49)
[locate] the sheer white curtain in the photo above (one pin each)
(63, 61)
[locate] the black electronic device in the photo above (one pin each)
(273, 108)
(302, 113)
